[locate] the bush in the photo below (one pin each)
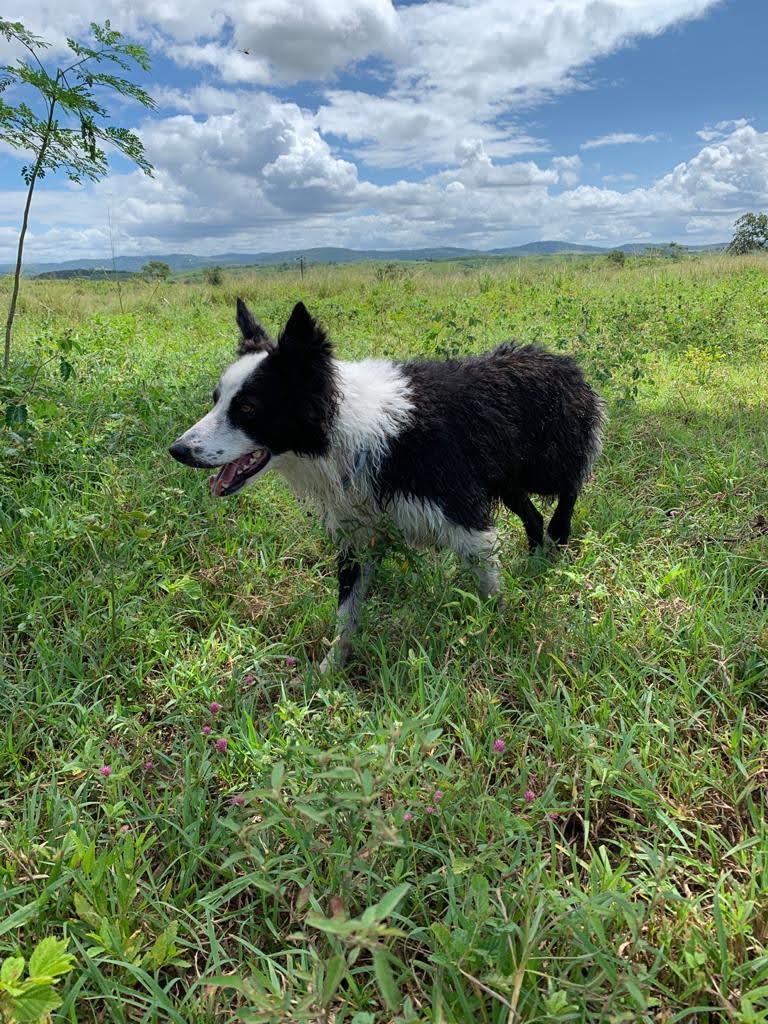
(156, 270)
(214, 275)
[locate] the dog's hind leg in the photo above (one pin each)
(518, 502)
(354, 578)
(559, 528)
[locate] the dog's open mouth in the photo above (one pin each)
(234, 475)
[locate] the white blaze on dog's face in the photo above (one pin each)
(274, 398)
(214, 438)
(218, 439)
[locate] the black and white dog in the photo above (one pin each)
(429, 447)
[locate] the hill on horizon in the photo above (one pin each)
(331, 254)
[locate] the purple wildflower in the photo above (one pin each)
(429, 809)
(214, 707)
(238, 800)
(291, 662)
(530, 796)
(221, 745)
(407, 816)
(148, 766)
(249, 680)
(499, 746)
(438, 795)
(105, 770)
(206, 730)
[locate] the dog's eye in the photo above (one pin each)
(247, 408)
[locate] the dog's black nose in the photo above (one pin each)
(182, 453)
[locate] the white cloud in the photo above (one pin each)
(454, 68)
(416, 131)
(568, 168)
(232, 65)
(266, 39)
(463, 68)
(618, 139)
(202, 99)
(717, 131)
(224, 185)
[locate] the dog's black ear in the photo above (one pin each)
(253, 337)
(303, 332)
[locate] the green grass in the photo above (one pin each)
(628, 678)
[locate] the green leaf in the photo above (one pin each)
(385, 979)
(50, 959)
(20, 917)
(11, 969)
(635, 992)
(43, 408)
(242, 985)
(442, 934)
(480, 894)
(311, 813)
(333, 925)
(86, 912)
(335, 969)
(164, 947)
(15, 415)
(35, 1003)
(389, 902)
(278, 772)
(461, 865)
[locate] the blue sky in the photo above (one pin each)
(292, 123)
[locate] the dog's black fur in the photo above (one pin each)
(496, 428)
(289, 402)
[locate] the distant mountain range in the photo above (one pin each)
(184, 261)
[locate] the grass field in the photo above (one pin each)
(360, 850)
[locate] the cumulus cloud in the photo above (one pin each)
(463, 69)
(244, 40)
(722, 128)
(618, 139)
(453, 68)
(224, 185)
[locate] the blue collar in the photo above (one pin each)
(360, 461)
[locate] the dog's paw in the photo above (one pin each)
(337, 657)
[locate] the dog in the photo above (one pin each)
(431, 447)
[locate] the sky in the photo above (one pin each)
(287, 124)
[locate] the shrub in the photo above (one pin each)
(214, 275)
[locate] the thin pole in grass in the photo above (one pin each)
(71, 128)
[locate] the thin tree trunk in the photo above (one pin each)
(20, 251)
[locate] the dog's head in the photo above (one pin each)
(276, 397)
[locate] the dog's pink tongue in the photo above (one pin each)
(226, 475)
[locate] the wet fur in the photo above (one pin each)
(434, 447)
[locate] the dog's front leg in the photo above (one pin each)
(480, 551)
(354, 577)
